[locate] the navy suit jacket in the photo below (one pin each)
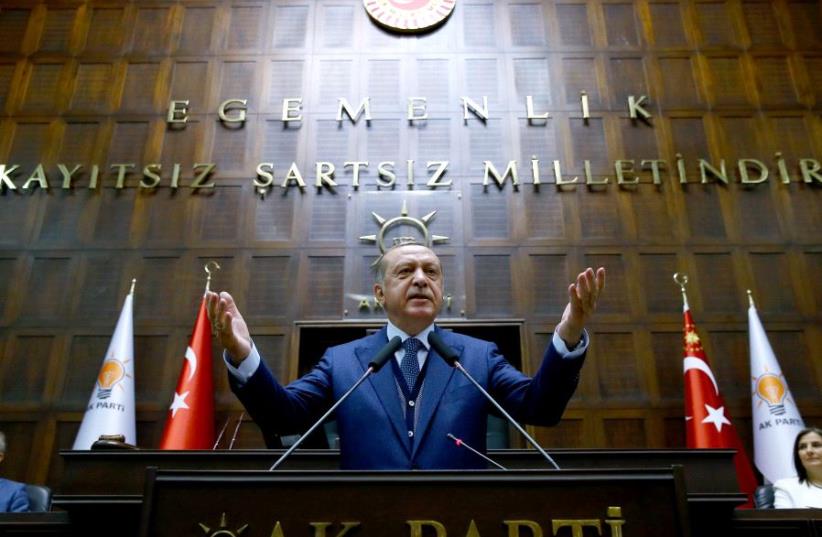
(13, 497)
(371, 422)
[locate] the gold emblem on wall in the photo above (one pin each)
(409, 16)
(222, 530)
(420, 223)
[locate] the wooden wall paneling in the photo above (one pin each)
(813, 267)
(218, 216)
(106, 29)
(618, 303)
(489, 282)
(16, 24)
(675, 78)
(152, 30)
(489, 213)
(666, 347)
(321, 289)
(268, 291)
(622, 27)
(656, 269)
(58, 29)
(804, 17)
(482, 15)
(620, 382)
(625, 429)
(730, 363)
(546, 276)
(18, 220)
(30, 357)
(10, 75)
(156, 303)
(765, 266)
(20, 442)
(573, 25)
(100, 286)
(299, 26)
(568, 433)
(527, 25)
(668, 25)
(762, 24)
(9, 268)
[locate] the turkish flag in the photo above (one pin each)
(190, 422)
(707, 422)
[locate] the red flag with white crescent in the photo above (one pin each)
(190, 421)
(707, 421)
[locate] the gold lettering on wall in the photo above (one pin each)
(232, 105)
(417, 108)
(576, 526)
(515, 527)
(417, 525)
(480, 111)
(177, 113)
(344, 106)
(292, 109)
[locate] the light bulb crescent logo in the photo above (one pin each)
(695, 363)
(191, 358)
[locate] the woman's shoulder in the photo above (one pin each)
(786, 482)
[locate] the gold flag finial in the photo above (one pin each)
(208, 268)
(681, 280)
(133, 284)
(751, 300)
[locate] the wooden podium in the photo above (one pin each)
(105, 489)
(518, 503)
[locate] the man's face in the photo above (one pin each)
(412, 291)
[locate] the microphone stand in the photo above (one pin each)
(451, 358)
(374, 366)
(506, 414)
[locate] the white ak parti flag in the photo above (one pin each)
(776, 419)
(110, 408)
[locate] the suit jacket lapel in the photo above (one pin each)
(437, 377)
(383, 384)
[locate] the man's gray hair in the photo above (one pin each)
(379, 264)
(2, 442)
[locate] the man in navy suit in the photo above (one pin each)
(400, 419)
(13, 497)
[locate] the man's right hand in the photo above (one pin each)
(228, 325)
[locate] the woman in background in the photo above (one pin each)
(804, 490)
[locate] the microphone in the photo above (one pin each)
(452, 358)
(459, 442)
(220, 436)
(236, 430)
(373, 366)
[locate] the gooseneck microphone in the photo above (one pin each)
(452, 358)
(373, 366)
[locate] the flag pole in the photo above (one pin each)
(751, 300)
(210, 266)
(133, 284)
(681, 280)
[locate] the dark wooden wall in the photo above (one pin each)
(90, 82)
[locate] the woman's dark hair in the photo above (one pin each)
(797, 462)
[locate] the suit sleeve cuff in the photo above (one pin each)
(563, 350)
(247, 367)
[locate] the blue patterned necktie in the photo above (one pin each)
(409, 365)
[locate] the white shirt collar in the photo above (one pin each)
(392, 330)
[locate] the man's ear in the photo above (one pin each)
(378, 294)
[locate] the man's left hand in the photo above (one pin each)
(582, 301)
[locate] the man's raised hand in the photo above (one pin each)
(228, 325)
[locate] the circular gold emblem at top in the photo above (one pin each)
(409, 15)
